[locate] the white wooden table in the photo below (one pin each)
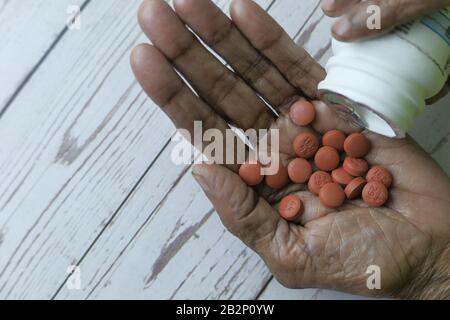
(85, 176)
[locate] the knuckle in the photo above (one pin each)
(300, 67)
(256, 69)
(268, 43)
(220, 35)
(222, 86)
(182, 48)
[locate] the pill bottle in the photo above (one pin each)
(382, 83)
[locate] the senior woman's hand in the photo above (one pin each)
(408, 239)
(354, 14)
(352, 24)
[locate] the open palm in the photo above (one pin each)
(407, 239)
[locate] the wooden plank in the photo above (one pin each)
(293, 15)
(432, 132)
(78, 140)
(187, 270)
(28, 28)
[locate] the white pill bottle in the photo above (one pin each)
(382, 83)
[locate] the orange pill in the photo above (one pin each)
(332, 195)
(341, 176)
(334, 139)
(278, 180)
(354, 189)
(380, 174)
(299, 170)
(327, 159)
(250, 173)
(375, 194)
(306, 145)
(355, 167)
(291, 208)
(357, 145)
(318, 180)
(302, 113)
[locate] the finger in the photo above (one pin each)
(287, 131)
(314, 209)
(267, 36)
(218, 32)
(249, 217)
(166, 88)
(327, 119)
(353, 25)
(335, 8)
(229, 95)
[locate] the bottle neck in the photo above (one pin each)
(371, 95)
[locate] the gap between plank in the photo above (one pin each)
(121, 205)
(138, 231)
(264, 287)
(35, 68)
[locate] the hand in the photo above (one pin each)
(409, 239)
(353, 22)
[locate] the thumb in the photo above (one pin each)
(353, 25)
(243, 213)
(335, 8)
(280, 244)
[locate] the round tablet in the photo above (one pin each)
(341, 176)
(355, 167)
(278, 180)
(291, 208)
(302, 113)
(332, 195)
(380, 174)
(306, 145)
(357, 145)
(318, 180)
(335, 139)
(375, 194)
(250, 173)
(299, 170)
(354, 189)
(327, 159)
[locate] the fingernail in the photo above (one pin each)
(342, 27)
(328, 5)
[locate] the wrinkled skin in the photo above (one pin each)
(408, 238)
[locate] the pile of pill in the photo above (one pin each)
(320, 165)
